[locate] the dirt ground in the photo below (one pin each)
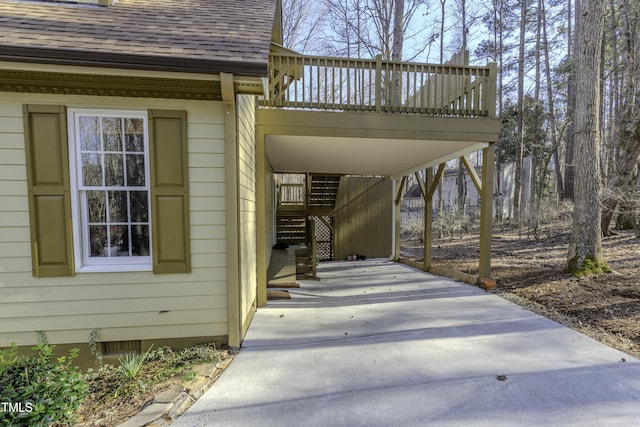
(528, 271)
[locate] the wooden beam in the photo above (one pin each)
(472, 173)
(421, 185)
(399, 190)
(396, 225)
(432, 188)
(428, 219)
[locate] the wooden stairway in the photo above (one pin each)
(291, 226)
(322, 193)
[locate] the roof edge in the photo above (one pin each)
(136, 62)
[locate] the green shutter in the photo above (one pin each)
(45, 131)
(169, 191)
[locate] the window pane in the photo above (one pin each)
(134, 135)
(89, 133)
(92, 170)
(140, 240)
(139, 206)
(97, 206)
(135, 170)
(118, 206)
(119, 241)
(112, 133)
(98, 240)
(114, 169)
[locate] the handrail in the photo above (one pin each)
(330, 83)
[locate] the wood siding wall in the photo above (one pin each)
(122, 306)
(364, 218)
(247, 182)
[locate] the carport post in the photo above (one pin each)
(397, 214)
(428, 218)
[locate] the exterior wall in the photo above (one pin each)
(247, 193)
(121, 306)
(364, 217)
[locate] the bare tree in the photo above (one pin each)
(569, 167)
(585, 248)
(300, 21)
(628, 126)
(517, 183)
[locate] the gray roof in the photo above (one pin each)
(179, 35)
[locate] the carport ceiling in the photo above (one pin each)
(361, 156)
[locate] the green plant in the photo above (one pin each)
(131, 364)
(8, 357)
(200, 353)
(93, 346)
(42, 390)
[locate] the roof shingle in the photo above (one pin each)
(207, 31)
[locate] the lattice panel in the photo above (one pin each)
(324, 238)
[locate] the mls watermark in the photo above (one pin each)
(16, 407)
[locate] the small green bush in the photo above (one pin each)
(45, 389)
(130, 364)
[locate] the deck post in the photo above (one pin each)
(486, 212)
(396, 217)
(428, 218)
(490, 96)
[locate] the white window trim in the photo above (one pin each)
(80, 250)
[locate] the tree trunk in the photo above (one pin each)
(585, 248)
(517, 182)
(552, 109)
(569, 169)
(396, 50)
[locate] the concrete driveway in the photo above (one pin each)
(376, 343)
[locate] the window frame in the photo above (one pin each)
(79, 213)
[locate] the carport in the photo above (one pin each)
(369, 143)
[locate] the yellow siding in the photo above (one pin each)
(247, 194)
(363, 223)
(122, 306)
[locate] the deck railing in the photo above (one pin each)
(325, 83)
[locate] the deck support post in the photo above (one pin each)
(428, 218)
(486, 211)
(397, 230)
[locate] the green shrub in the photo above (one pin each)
(40, 389)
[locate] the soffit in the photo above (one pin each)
(361, 156)
(367, 143)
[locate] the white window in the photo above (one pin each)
(109, 161)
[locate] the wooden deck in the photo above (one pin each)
(375, 85)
